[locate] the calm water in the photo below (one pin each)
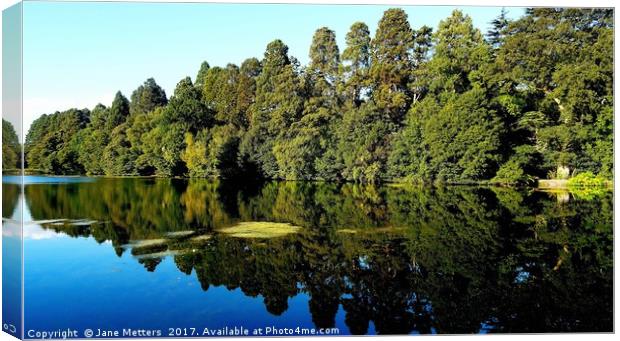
(151, 254)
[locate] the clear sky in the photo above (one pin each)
(80, 54)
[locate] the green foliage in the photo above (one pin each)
(453, 141)
(187, 108)
(53, 150)
(391, 63)
(118, 156)
(220, 94)
(116, 151)
(11, 149)
(519, 169)
(195, 155)
(558, 62)
(278, 104)
(495, 35)
(147, 97)
(163, 148)
(587, 179)
(118, 113)
(202, 74)
(213, 153)
(307, 139)
(459, 53)
(533, 100)
(356, 61)
(246, 89)
(362, 144)
(587, 186)
(139, 127)
(324, 54)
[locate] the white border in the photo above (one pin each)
(506, 3)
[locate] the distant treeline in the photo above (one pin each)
(531, 98)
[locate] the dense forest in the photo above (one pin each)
(531, 98)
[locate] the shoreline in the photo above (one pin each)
(540, 184)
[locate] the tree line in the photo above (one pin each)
(531, 98)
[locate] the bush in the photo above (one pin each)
(587, 179)
(511, 173)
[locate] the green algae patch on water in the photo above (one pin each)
(260, 230)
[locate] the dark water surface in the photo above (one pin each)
(153, 254)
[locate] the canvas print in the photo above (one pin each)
(230, 169)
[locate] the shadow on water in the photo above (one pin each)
(445, 260)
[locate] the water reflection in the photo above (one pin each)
(445, 260)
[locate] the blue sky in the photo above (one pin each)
(80, 54)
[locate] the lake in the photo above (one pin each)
(175, 255)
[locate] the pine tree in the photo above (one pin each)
(147, 97)
(391, 62)
(422, 46)
(307, 139)
(324, 58)
(118, 113)
(356, 61)
(459, 52)
(278, 104)
(202, 74)
(495, 35)
(246, 89)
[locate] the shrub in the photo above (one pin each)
(587, 179)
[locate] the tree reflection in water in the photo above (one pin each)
(446, 260)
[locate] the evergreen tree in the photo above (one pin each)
(246, 89)
(163, 147)
(422, 45)
(278, 104)
(459, 52)
(307, 139)
(202, 74)
(495, 35)
(362, 144)
(147, 97)
(220, 94)
(94, 138)
(118, 156)
(391, 62)
(187, 108)
(118, 113)
(324, 58)
(116, 152)
(356, 60)
(141, 125)
(453, 140)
